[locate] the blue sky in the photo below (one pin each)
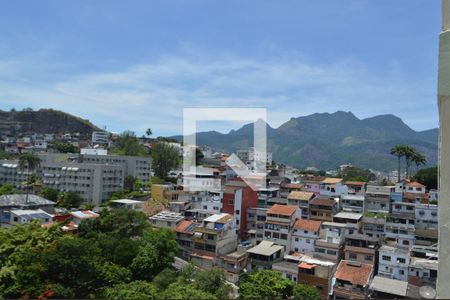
(137, 64)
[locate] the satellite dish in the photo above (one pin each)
(427, 292)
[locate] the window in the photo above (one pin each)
(276, 235)
(237, 212)
(237, 222)
(353, 256)
(308, 241)
(368, 257)
(296, 239)
(283, 236)
(401, 272)
(305, 231)
(401, 260)
(386, 258)
(406, 243)
(320, 250)
(331, 252)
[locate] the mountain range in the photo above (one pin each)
(328, 140)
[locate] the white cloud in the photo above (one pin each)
(153, 94)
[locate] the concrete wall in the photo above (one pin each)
(443, 288)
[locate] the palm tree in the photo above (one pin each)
(399, 151)
(410, 152)
(29, 162)
(418, 159)
(148, 132)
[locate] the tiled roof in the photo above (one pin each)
(292, 185)
(297, 195)
(183, 225)
(354, 272)
(415, 184)
(285, 210)
(330, 180)
(323, 201)
(309, 225)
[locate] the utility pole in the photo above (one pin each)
(443, 286)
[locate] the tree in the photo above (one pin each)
(132, 290)
(399, 151)
(265, 284)
(185, 291)
(303, 291)
(128, 144)
(148, 132)
(213, 281)
(198, 156)
(118, 222)
(165, 158)
(8, 189)
(69, 200)
(50, 194)
(428, 177)
(28, 162)
(65, 147)
(164, 279)
(419, 159)
(73, 262)
(129, 182)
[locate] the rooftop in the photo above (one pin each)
(284, 210)
(84, 214)
(393, 250)
(323, 201)
(354, 272)
(265, 248)
(286, 265)
(309, 225)
(21, 200)
(186, 226)
(126, 201)
(349, 215)
(30, 214)
(330, 180)
(297, 195)
(358, 183)
(167, 216)
(219, 218)
(389, 286)
(415, 184)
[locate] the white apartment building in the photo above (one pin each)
(93, 182)
(377, 198)
(426, 216)
(331, 240)
(393, 263)
(304, 236)
(352, 203)
(333, 187)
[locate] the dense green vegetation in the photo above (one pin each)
(8, 189)
(268, 284)
(127, 144)
(64, 146)
(116, 256)
(165, 158)
(356, 174)
(428, 177)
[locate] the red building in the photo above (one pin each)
(237, 198)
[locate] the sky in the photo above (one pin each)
(131, 65)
